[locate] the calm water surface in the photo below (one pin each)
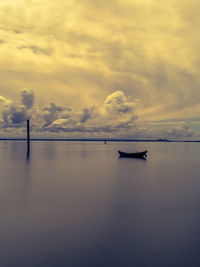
(77, 204)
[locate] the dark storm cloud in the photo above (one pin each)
(15, 114)
(87, 114)
(50, 113)
(27, 98)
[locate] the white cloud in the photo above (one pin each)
(118, 104)
(4, 100)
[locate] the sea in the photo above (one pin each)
(77, 204)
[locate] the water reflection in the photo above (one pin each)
(129, 158)
(50, 150)
(76, 204)
(28, 150)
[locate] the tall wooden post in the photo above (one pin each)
(28, 139)
(28, 131)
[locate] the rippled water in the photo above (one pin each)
(77, 204)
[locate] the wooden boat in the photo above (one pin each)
(140, 155)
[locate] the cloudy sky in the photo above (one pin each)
(98, 68)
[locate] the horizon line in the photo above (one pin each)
(97, 140)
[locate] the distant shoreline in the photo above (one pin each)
(99, 140)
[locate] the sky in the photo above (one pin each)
(95, 69)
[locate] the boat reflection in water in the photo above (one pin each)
(139, 155)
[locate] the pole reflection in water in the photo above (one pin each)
(28, 150)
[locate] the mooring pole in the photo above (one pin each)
(28, 139)
(28, 131)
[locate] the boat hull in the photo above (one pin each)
(140, 155)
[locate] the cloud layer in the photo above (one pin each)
(77, 53)
(17, 114)
(116, 114)
(117, 117)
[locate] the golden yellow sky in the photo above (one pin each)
(78, 53)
